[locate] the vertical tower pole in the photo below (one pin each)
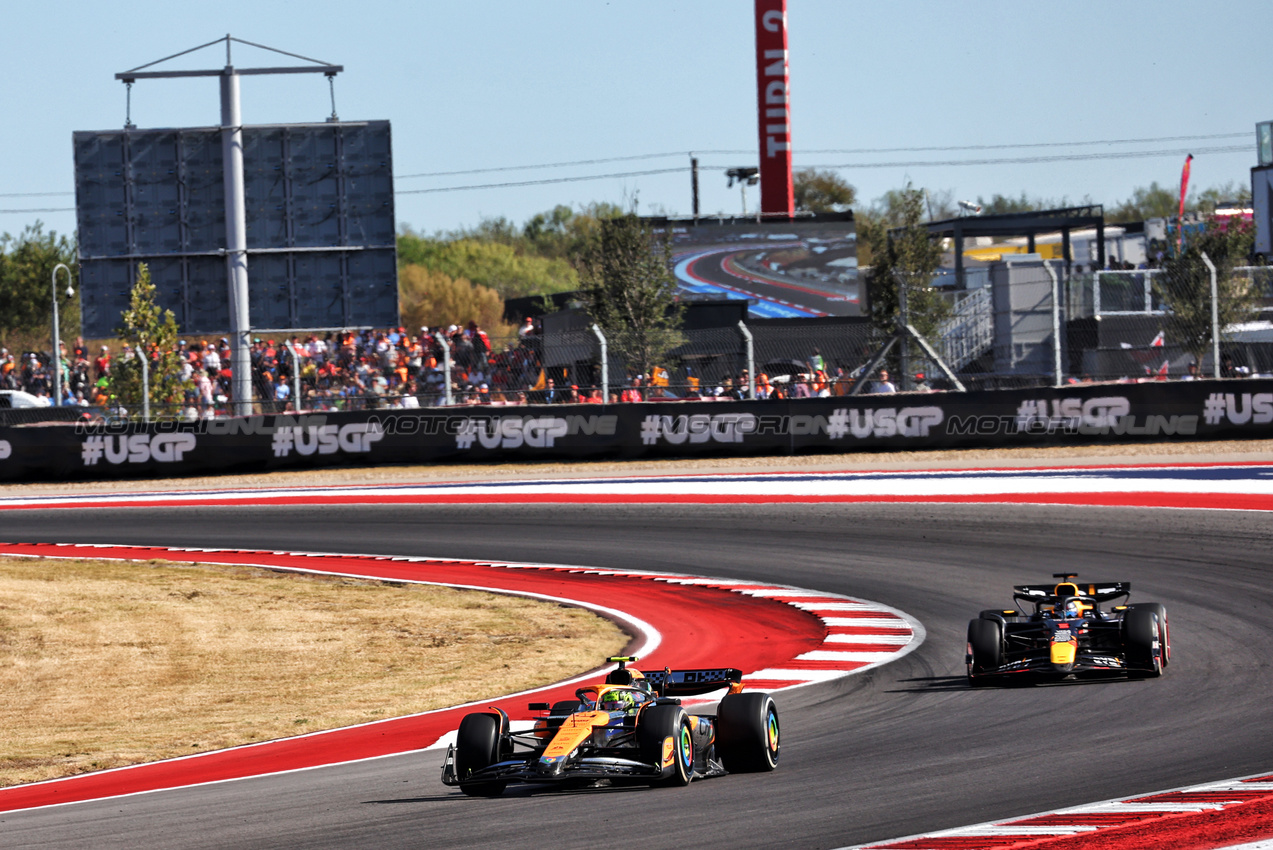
(777, 197)
(236, 258)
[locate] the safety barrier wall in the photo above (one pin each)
(1076, 414)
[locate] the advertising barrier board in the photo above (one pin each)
(1082, 414)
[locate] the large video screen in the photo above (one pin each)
(786, 269)
(320, 225)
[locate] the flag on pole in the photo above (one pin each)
(1184, 190)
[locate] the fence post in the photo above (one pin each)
(751, 360)
(605, 364)
(1056, 324)
(904, 317)
(446, 369)
(1215, 317)
(296, 377)
(145, 387)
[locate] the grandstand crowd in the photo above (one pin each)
(377, 369)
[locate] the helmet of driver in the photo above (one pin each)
(616, 700)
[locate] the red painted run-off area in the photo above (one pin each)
(700, 626)
(1147, 499)
(1243, 822)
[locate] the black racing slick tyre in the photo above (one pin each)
(1140, 633)
(658, 724)
(985, 649)
(1164, 631)
(477, 746)
(747, 733)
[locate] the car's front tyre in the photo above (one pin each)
(985, 649)
(658, 724)
(1141, 630)
(477, 746)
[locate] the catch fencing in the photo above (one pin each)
(1031, 325)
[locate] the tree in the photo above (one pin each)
(1210, 198)
(152, 334)
(1147, 202)
(1003, 204)
(902, 271)
(632, 294)
(26, 294)
(1184, 285)
(822, 191)
(494, 264)
(428, 297)
(909, 258)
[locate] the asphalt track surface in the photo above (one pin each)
(904, 749)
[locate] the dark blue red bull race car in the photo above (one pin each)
(1065, 630)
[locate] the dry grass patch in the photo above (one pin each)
(104, 664)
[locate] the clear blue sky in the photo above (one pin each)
(475, 85)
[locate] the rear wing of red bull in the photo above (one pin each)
(1101, 591)
(686, 683)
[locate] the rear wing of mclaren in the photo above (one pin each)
(1095, 591)
(686, 683)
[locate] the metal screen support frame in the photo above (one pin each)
(874, 363)
(932, 355)
(235, 202)
(903, 331)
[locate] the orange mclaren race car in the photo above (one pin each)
(631, 728)
(1068, 634)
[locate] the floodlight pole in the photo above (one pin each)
(236, 248)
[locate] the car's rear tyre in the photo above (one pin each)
(747, 733)
(477, 746)
(985, 649)
(657, 724)
(1140, 633)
